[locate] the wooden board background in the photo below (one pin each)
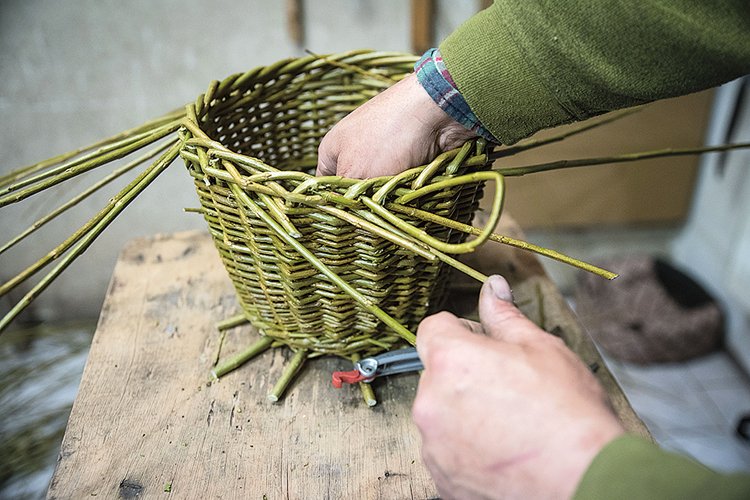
(146, 421)
(657, 191)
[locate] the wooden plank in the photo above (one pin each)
(146, 421)
(422, 12)
(295, 21)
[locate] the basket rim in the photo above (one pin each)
(419, 174)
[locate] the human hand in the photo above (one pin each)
(512, 413)
(400, 128)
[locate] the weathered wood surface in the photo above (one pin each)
(146, 421)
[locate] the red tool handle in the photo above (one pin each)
(352, 377)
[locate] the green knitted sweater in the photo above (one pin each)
(525, 65)
(630, 468)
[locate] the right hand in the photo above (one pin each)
(512, 413)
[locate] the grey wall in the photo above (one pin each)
(74, 72)
(715, 243)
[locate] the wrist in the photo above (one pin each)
(435, 79)
(446, 131)
(585, 450)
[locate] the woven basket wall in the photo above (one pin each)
(251, 145)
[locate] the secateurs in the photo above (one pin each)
(388, 363)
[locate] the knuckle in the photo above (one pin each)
(508, 312)
(442, 359)
(343, 170)
(435, 322)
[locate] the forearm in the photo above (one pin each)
(524, 65)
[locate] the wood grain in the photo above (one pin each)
(146, 421)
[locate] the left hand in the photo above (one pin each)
(398, 129)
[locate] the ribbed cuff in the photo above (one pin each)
(437, 81)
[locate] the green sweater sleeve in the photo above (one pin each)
(525, 65)
(630, 467)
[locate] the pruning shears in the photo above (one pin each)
(388, 363)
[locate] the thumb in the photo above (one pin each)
(500, 318)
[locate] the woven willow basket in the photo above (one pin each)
(310, 258)
(323, 265)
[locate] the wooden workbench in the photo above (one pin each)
(146, 424)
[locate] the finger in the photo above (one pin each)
(500, 318)
(435, 329)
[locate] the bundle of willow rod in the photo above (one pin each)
(323, 265)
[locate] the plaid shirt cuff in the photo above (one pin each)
(435, 79)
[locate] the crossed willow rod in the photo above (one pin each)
(380, 219)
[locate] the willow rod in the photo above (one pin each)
(242, 357)
(62, 168)
(419, 234)
(123, 199)
(82, 196)
(56, 160)
(236, 320)
(585, 162)
(364, 388)
(505, 240)
(73, 238)
(535, 143)
(353, 67)
(45, 180)
(287, 375)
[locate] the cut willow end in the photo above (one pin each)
(234, 321)
(368, 394)
(552, 254)
(242, 357)
(290, 370)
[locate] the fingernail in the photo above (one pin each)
(500, 288)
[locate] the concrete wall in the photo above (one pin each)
(75, 72)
